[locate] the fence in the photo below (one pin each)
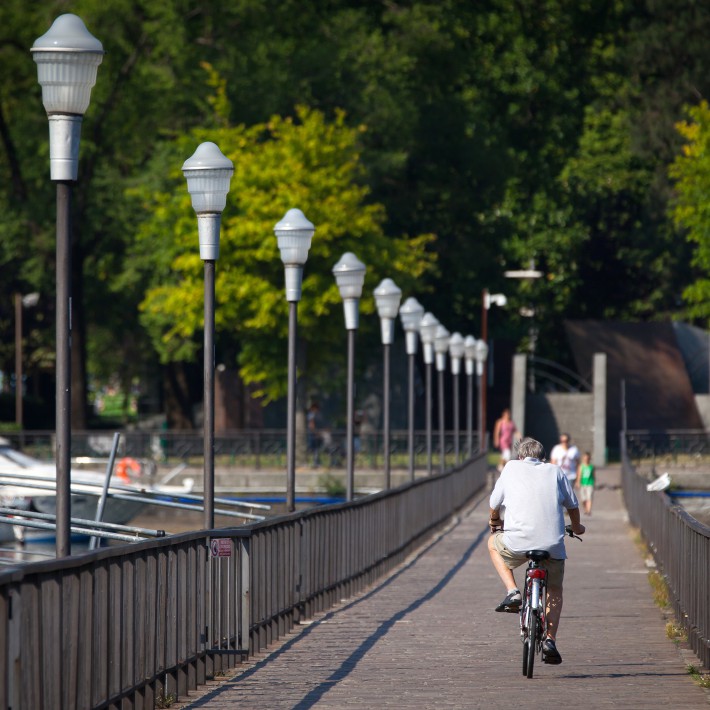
(255, 448)
(679, 543)
(137, 625)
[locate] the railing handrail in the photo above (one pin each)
(680, 545)
(60, 619)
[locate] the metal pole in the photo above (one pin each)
(481, 429)
(386, 415)
(18, 368)
(291, 415)
(104, 492)
(350, 444)
(63, 369)
(410, 416)
(482, 382)
(469, 416)
(208, 360)
(457, 448)
(442, 443)
(428, 420)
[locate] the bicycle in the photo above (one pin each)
(533, 620)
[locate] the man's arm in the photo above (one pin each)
(494, 520)
(577, 527)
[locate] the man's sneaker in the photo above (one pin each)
(511, 603)
(550, 654)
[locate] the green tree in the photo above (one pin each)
(691, 206)
(306, 162)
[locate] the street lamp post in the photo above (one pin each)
(387, 297)
(293, 234)
(487, 300)
(441, 347)
(349, 275)
(529, 275)
(67, 58)
(481, 357)
(456, 351)
(427, 331)
(411, 314)
(208, 173)
(470, 357)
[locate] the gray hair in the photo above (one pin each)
(531, 448)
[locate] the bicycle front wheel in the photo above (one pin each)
(531, 643)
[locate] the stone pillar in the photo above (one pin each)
(519, 391)
(599, 424)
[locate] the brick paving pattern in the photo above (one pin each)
(427, 637)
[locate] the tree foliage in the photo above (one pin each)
(306, 162)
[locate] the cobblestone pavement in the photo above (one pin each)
(427, 637)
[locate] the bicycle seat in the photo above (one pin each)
(537, 555)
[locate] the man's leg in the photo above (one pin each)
(504, 572)
(554, 609)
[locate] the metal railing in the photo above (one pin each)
(679, 543)
(255, 448)
(142, 624)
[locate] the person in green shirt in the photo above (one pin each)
(585, 482)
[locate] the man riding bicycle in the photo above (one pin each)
(534, 494)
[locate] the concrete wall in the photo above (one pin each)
(549, 415)
(545, 416)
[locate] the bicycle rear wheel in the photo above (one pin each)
(531, 643)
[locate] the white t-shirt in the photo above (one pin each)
(534, 495)
(567, 459)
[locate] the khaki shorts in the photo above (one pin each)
(555, 568)
(586, 493)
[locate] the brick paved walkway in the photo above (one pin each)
(427, 637)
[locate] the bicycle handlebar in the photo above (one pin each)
(568, 530)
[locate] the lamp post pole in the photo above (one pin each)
(208, 173)
(411, 314)
(441, 347)
(387, 298)
(470, 357)
(487, 300)
(481, 356)
(349, 275)
(427, 331)
(293, 233)
(456, 351)
(67, 58)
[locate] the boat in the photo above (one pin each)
(28, 484)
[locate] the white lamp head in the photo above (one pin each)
(441, 340)
(411, 313)
(387, 298)
(469, 345)
(456, 345)
(349, 275)
(441, 347)
(427, 331)
(208, 173)
(293, 236)
(456, 351)
(67, 58)
(481, 351)
(497, 299)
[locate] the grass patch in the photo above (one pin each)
(675, 632)
(165, 701)
(702, 679)
(332, 485)
(659, 588)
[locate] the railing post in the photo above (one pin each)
(245, 586)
